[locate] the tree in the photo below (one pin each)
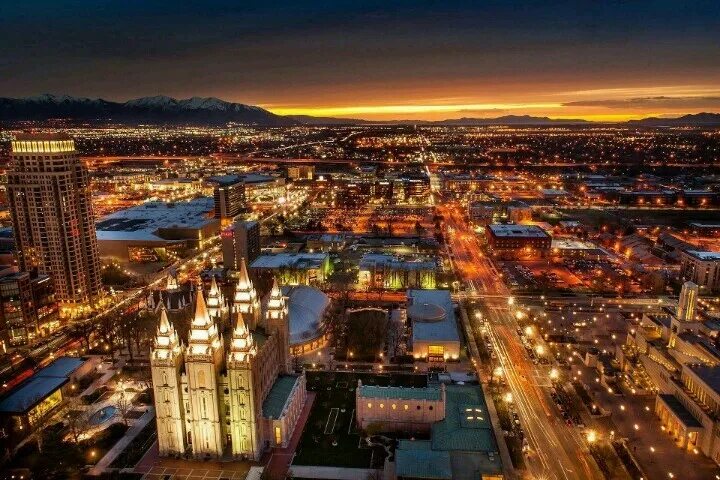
(78, 418)
(124, 406)
(84, 331)
(59, 459)
(108, 331)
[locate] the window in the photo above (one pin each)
(278, 436)
(405, 407)
(369, 405)
(434, 350)
(382, 405)
(394, 407)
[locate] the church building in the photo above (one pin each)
(227, 395)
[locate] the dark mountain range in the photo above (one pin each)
(157, 110)
(212, 111)
(510, 120)
(693, 120)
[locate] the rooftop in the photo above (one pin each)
(679, 410)
(709, 375)
(416, 459)
(400, 393)
(513, 230)
(570, 244)
(40, 385)
(42, 136)
(463, 442)
(142, 222)
(306, 308)
(704, 255)
(439, 329)
(294, 260)
(372, 260)
(278, 396)
(467, 424)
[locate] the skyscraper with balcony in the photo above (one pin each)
(53, 223)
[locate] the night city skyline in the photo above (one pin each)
(360, 240)
(601, 61)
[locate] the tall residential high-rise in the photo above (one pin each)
(53, 223)
(240, 240)
(687, 302)
(229, 197)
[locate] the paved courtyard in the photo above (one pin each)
(654, 449)
(162, 473)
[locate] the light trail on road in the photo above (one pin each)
(557, 450)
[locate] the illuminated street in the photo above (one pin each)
(556, 450)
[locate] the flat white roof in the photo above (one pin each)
(704, 255)
(298, 260)
(141, 222)
(513, 230)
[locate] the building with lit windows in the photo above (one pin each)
(228, 197)
(676, 351)
(461, 441)
(379, 270)
(240, 240)
(510, 240)
(301, 172)
(53, 223)
(24, 406)
(28, 309)
(227, 395)
(702, 268)
(435, 336)
(292, 268)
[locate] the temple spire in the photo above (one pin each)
(167, 342)
(164, 321)
(242, 346)
(245, 301)
(215, 300)
(201, 317)
(171, 283)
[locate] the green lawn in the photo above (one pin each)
(330, 437)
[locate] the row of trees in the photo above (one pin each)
(131, 332)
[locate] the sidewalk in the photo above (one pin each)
(132, 432)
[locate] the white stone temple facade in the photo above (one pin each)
(227, 395)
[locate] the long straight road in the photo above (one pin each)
(557, 451)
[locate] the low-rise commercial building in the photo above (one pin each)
(383, 271)
(435, 336)
(292, 268)
(515, 240)
(23, 408)
(144, 233)
(461, 440)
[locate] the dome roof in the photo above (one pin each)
(306, 308)
(426, 312)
